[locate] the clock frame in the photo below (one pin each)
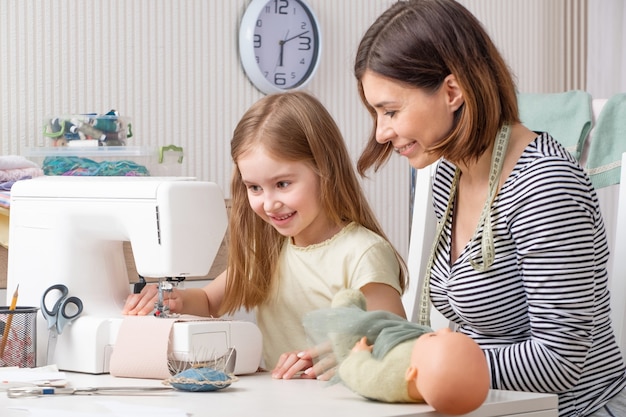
(280, 44)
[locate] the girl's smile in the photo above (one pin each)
(286, 194)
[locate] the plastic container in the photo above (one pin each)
(103, 129)
(108, 160)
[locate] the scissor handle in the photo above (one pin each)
(59, 315)
(51, 314)
(78, 307)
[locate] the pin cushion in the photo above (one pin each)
(200, 380)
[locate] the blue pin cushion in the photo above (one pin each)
(200, 380)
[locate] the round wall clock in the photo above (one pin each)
(279, 44)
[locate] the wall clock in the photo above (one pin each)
(279, 44)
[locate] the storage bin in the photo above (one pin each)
(108, 160)
(104, 129)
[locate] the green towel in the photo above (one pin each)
(608, 143)
(565, 116)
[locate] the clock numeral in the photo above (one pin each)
(281, 6)
(303, 61)
(280, 79)
(305, 43)
(257, 40)
(293, 75)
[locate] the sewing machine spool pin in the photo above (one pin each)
(165, 286)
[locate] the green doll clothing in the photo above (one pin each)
(379, 375)
(379, 379)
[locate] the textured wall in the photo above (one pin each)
(173, 67)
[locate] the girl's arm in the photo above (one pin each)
(197, 301)
(383, 297)
(378, 296)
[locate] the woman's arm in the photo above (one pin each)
(560, 249)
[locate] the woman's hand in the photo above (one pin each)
(143, 303)
(315, 363)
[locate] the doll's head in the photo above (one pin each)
(449, 372)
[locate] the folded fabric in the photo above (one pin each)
(5, 199)
(16, 174)
(16, 161)
(608, 143)
(565, 116)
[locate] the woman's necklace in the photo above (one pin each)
(486, 241)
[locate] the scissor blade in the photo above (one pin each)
(52, 344)
(123, 390)
(21, 392)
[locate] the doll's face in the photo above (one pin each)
(450, 371)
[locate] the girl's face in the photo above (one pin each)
(286, 194)
(410, 118)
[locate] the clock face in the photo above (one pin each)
(279, 44)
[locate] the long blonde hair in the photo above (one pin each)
(292, 126)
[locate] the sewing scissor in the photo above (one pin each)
(19, 392)
(65, 310)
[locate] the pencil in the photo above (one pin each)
(7, 326)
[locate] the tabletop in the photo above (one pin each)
(261, 396)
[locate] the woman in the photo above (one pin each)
(519, 260)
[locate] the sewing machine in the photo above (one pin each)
(70, 230)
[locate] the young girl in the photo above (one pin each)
(300, 230)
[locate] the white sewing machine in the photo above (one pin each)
(70, 230)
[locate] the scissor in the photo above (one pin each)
(18, 392)
(59, 316)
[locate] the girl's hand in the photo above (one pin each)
(315, 363)
(291, 364)
(143, 303)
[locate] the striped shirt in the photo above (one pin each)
(541, 311)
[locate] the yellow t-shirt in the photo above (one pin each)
(309, 277)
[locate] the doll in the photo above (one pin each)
(384, 357)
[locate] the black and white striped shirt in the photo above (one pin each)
(541, 311)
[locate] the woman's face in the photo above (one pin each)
(412, 119)
(286, 194)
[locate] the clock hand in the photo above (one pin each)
(294, 37)
(282, 46)
(281, 43)
(280, 56)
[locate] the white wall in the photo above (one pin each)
(173, 67)
(606, 64)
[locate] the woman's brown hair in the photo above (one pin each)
(292, 126)
(419, 43)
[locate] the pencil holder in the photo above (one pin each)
(18, 334)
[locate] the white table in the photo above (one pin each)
(259, 395)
